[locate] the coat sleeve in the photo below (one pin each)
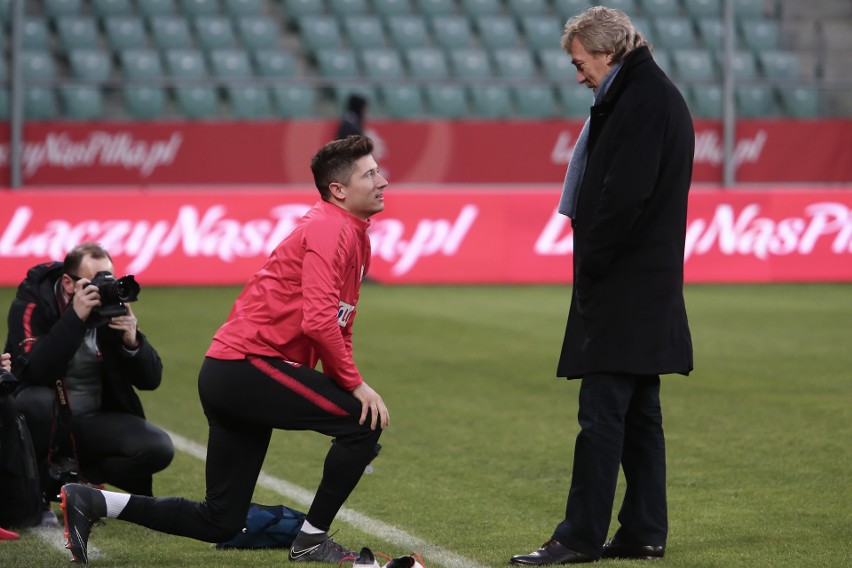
(142, 368)
(321, 283)
(636, 149)
(42, 352)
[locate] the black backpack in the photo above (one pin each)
(21, 501)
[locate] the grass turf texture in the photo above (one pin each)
(477, 459)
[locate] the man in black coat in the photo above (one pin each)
(626, 191)
(77, 366)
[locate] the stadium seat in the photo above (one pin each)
(294, 101)
(706, 101)
(467, 63)
(214, 32)
(402, 101)
(125, 32)
(476, 8)
(197, 102)
(569, 8)
(296, 9)
(274, 63)
(37, 65)
(627, 6)
(535, 101)
(490, 102)
(744, 65)
(576, 100)
(149, 8)
(712, 33)
(34, 33)
(800, 102)
(426, 63)
(452, 31)
(257, 32)
(144, 102)
(382, 64)
(514, 63)
(77, 31)
(199, 7)
(240, 8)
(778, 65)
(496, 32)
(249, 102)
(748, 8)
(229, 63)
(759, 35)
(698, 9)
(541, 31)
(660, 8)
(644, 27)
(408, 31)
(140, 64)
(436, 7)
(106, 8)
(664, 61)
(81, 103)
(693, 65)
(673, 33)
(364, 32)
(90, 64)
(521, 8)
(185, 64)
(39, 103)
(4, 72)
(5, 103)
(446, 101)
(755, 101)
(62, 8)
(337, 63)
(320, 32)
(170, 32)
(392, 7)
(347, 8)
(556, 64)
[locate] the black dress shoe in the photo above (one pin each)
(551, 552)
(614, 549)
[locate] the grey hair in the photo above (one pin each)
(603, 30)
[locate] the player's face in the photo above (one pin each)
(591, 68)
(365, 191)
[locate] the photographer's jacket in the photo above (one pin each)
(44, 336)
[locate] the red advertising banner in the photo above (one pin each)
(410, 152)
(451, 235)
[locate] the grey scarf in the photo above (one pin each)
(577, 165)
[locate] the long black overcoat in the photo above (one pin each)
(627, 310)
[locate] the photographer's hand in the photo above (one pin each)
(127, 325)
(6, 362)
(86, 298)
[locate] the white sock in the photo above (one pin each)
(308, 528)
(115, 503)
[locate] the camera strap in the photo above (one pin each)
(61, 428)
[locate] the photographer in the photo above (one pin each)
(78, 368)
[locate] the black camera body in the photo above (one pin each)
(114, 292)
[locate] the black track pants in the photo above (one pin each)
(243, 401)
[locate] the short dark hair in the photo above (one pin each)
(334, 162)
(75, 256)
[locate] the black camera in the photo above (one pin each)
(114, 292)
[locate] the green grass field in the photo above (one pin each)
(477, 459)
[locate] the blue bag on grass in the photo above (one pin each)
(267, 526)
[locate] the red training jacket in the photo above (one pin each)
(301, 305)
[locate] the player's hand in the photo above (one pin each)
(86, 298)
(371, 403)
(126, 324)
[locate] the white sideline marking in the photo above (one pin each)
(55, 537)
(432, 553)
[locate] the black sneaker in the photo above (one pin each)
(320, 548)
(82, 507)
